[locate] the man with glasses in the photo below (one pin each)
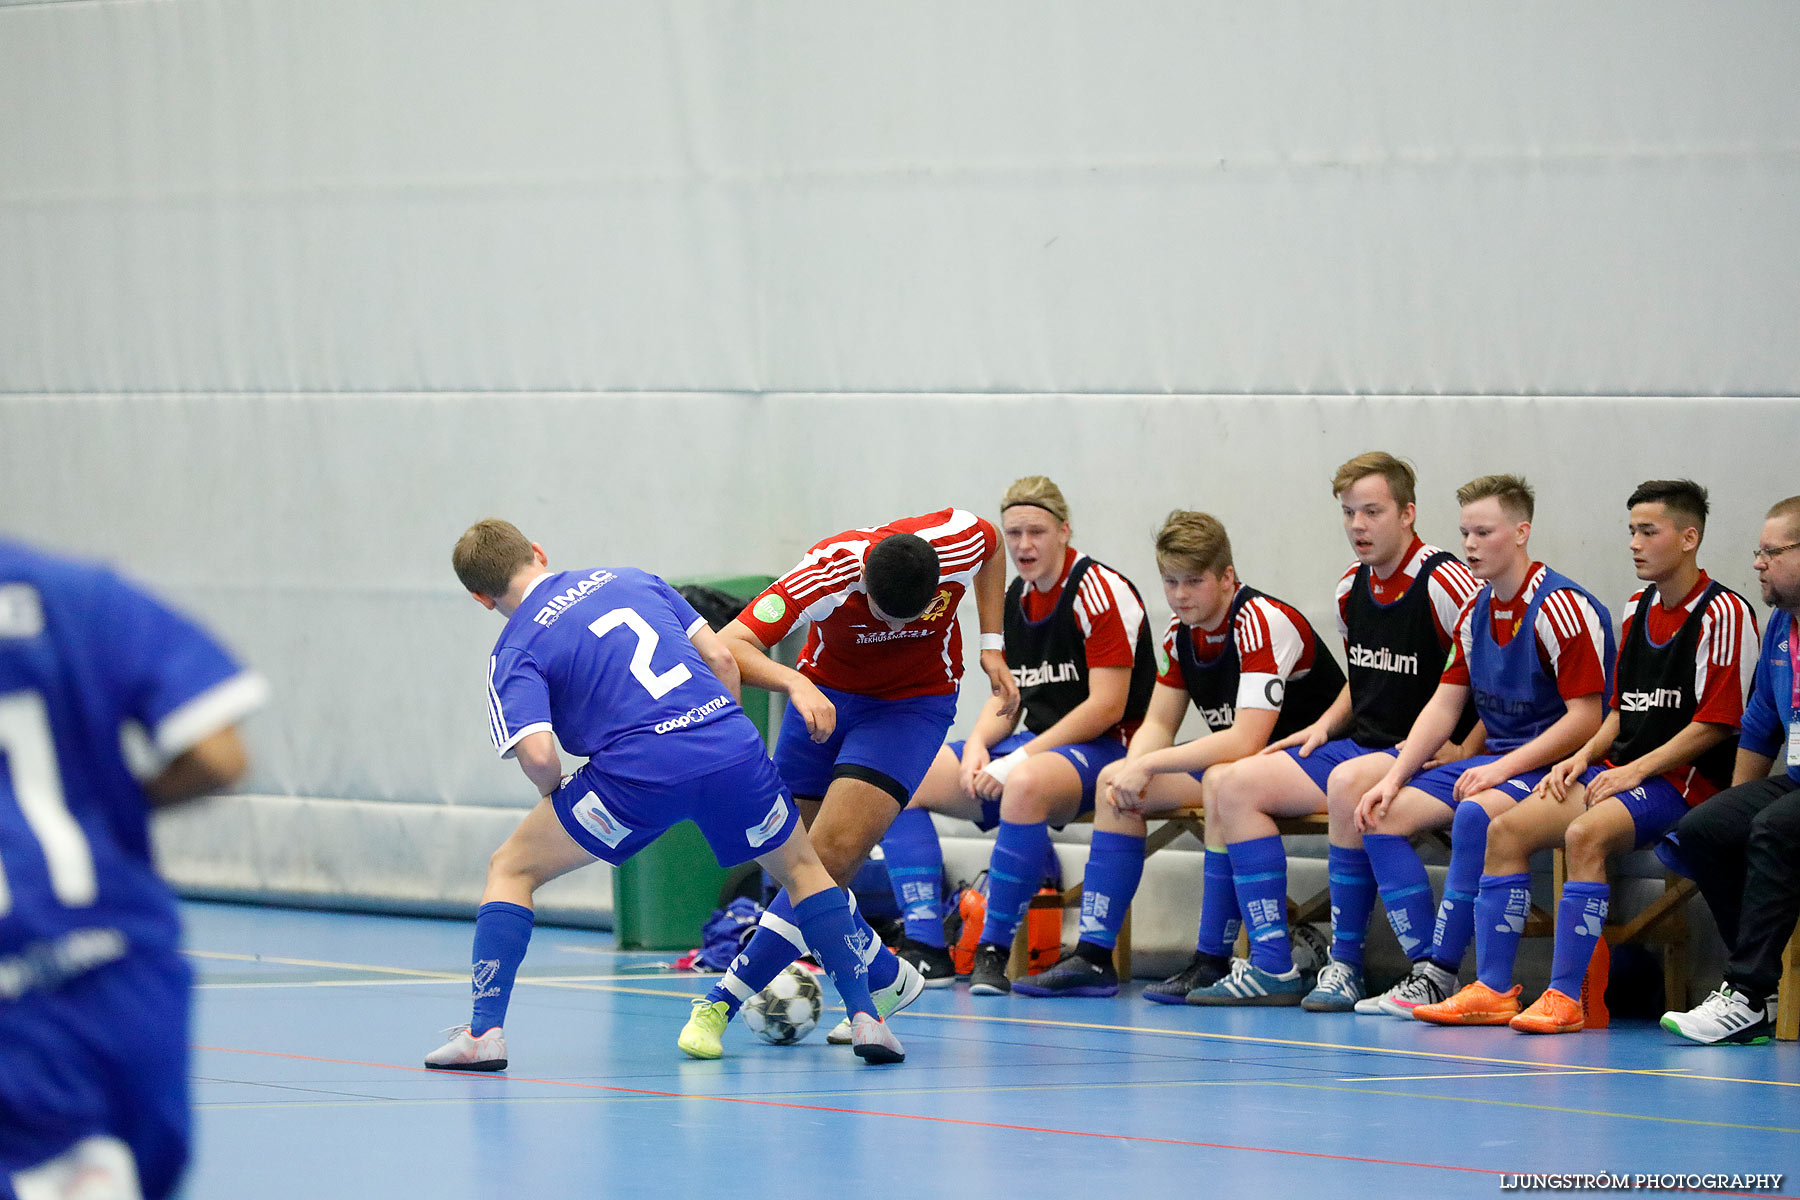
(1743, 845)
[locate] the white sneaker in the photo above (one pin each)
(875, 1043)
(465, 1052)
(1428, 984)
(888, 1000)
(1724, 1016)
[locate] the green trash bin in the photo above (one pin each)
(665, 893)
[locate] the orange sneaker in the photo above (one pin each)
(1552, 1013)
(1477, 1004)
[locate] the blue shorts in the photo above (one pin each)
(1321, 762)
(1086, 757)
(743, 809)
(104, 1054)
(1440, 782)
(896, 739)
(1655, 805)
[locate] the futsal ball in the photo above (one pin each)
(788, 1009)
(1312, 949)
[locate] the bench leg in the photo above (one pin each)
(1787, 1007)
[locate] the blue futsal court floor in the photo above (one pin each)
(310, 1029)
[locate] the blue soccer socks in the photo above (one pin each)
(1501, 906)
(1259, 875)
(1115, 866)
(1219, 916)
(824, 921)
(502, 933)
(1352, 900)
(1456, 915)
(1405, 890)
(779, 939)
(1580, 916)
(1014, 872)
(776, 943)
(915, 864)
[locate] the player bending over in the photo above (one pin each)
(1079, 648)
(868, 707)
(618, 668)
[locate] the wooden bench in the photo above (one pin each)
(1787, 1006)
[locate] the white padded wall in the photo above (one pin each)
(315, 532)
(292, 290)
(1155, 195)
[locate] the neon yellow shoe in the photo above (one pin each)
(702, 1036)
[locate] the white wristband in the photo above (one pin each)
(993, 641)
(1000, 768)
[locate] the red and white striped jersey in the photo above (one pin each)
(1570, 641)
(1105, 606)
(1451, 588)
(850, 649)
(1274, 643)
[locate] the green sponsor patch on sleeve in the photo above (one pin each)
(769, 609)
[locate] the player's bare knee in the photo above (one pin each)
(1587, 845)
(840, 853)
(1341, 802)
(511, 863)
(1505, 842)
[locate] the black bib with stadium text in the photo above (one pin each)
(1213, 686)
(1656, 689)
(1394, 658)
(1048, 658)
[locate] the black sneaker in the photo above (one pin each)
(1073, 976)
(932, 962)
(988, 978)
(1203, 970)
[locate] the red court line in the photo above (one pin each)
(864, 1112)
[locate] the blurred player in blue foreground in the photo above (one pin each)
(93, 989)
(615, 665)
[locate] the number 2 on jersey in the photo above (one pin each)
(657, 685)
(30, 759)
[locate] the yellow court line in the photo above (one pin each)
(1576, 1068)
(1465, 1075)
(1041, 1023)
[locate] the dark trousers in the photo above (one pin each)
(1744, 847)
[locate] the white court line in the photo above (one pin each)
(462, 979)
(1485, 1075)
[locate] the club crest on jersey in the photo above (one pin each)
(940, 604)
(770, 825)
(594, 818)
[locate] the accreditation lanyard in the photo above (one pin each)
(1793, 746)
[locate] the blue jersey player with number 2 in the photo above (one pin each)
(615, 665)
(93, 988)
